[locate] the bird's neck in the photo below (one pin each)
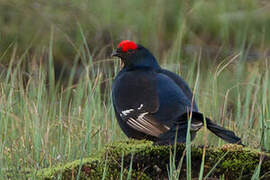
(149, 63)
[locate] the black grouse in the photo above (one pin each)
(155, 104)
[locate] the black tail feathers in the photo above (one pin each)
(219, 131)
(181, 130)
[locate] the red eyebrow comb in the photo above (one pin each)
(126, 45)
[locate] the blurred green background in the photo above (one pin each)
(163, 26)
(221, 48)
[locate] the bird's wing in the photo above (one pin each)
(181, 84)
(136, 98)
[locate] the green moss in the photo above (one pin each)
(89, 167)
(150, 162)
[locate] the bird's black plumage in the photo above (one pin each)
(154, 103)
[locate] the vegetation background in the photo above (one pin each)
(56, 71)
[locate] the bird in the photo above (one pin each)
(156, 104)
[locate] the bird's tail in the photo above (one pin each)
(219, 131)
(181, 129)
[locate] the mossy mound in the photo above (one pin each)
(153, 162)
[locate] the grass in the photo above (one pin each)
(44, 122)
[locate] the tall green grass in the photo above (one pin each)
(44, 123)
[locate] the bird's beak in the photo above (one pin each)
(115, 53)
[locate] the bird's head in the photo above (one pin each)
(134, 55)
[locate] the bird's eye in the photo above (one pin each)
(131, 51)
